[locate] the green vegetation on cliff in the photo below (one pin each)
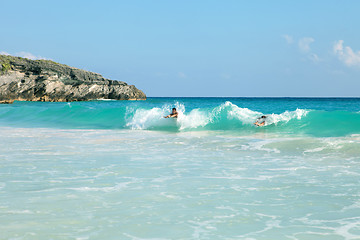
(5, 65)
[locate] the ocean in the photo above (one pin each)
(119, 170)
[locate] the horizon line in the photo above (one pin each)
(254, 96)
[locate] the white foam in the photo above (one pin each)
(286, 116)
(154, 117)
(319, 149)
(195, 119)
(149, 118)
(245, 115)
(143, 118)
(115, 188)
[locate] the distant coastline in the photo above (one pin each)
(23, 79)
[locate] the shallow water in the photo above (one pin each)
(84, 175)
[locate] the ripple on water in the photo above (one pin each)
(84, 184)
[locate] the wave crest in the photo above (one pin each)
(223, 117)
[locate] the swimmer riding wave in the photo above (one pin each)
(260, 121)
(173, 114)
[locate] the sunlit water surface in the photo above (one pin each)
(137, 180)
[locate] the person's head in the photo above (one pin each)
(263, 116)
(174, 110)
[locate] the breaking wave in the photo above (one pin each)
(137, 116)
(227, 116)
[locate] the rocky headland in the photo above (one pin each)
(23, 79)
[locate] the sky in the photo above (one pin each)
(196, 48)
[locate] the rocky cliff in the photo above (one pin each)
(44, 80)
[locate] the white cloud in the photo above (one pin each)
(24, 55)
(182, 75)
(29, 55)
(346, 54)
(304, 47)
(289, 39)
(313, 57)
(304, 44)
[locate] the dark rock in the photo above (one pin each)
(44, 80)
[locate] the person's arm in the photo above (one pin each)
(173, 115)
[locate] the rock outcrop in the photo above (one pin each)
(44, 80)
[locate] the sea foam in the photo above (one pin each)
(224, 116)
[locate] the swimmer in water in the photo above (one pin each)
(174, 114)
(260, 121)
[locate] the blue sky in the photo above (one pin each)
(196, 48)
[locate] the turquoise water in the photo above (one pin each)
(305, 116)
(119, 170)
